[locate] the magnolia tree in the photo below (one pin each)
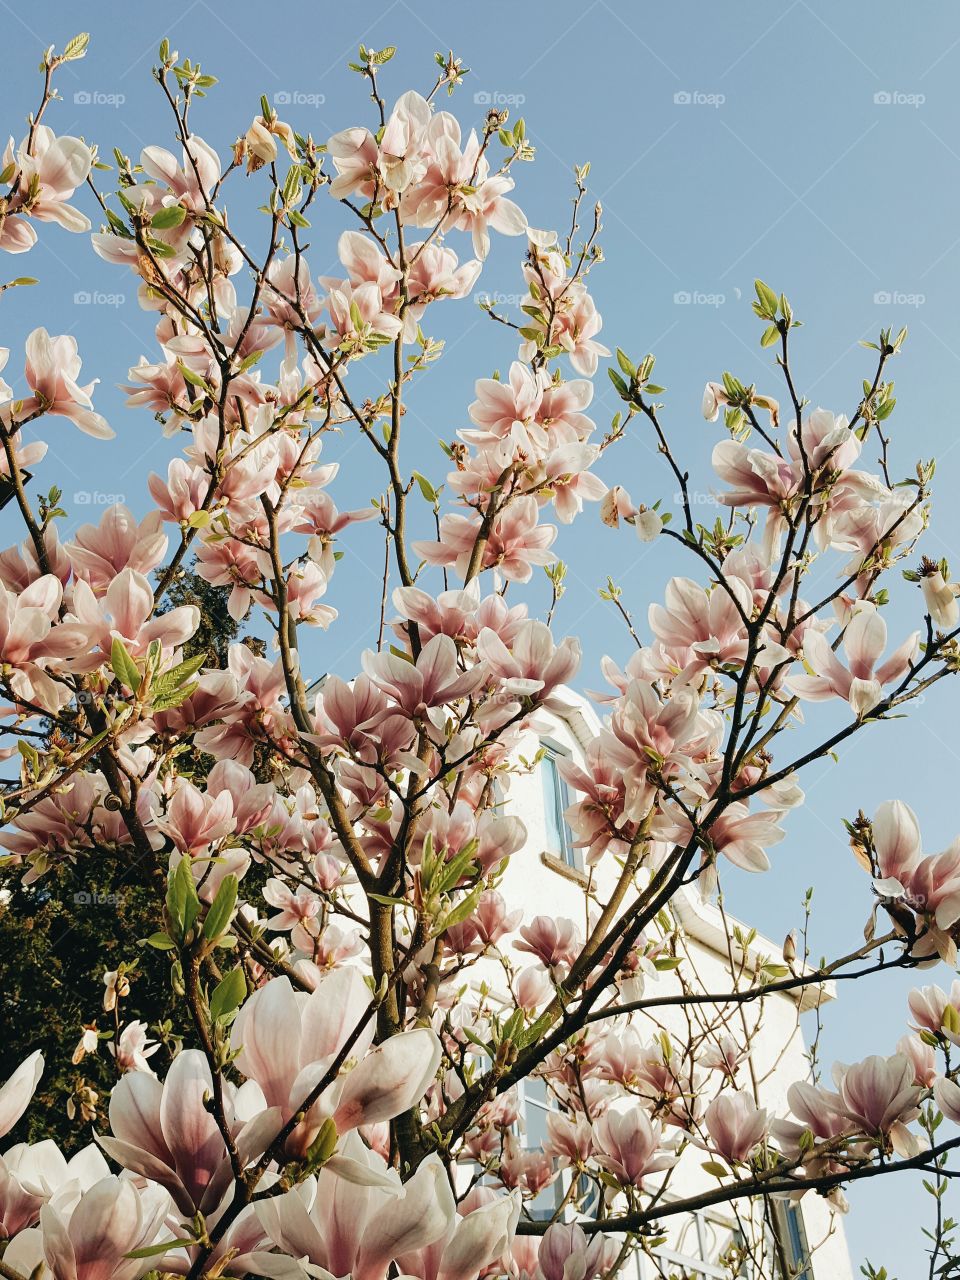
(360, 999)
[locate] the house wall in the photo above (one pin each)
(544, 887)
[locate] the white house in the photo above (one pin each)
(547, 878)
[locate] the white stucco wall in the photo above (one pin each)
(775, 1024)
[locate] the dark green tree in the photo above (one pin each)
(81, 919)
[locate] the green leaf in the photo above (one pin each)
(183, 904)
(626, 364)
(767, 299)
(426, 488)
(124, 667)
(221, 909)
(170, 216)
(179, 674)
(228, 994)
(153, 1250)
(195, 379)
(76, 47)
(159, 942)
(771, 335)
(619, 383)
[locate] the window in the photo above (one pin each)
(556, 798)
(535, 1103)
(794, 1239)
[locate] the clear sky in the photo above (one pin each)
(812, 144)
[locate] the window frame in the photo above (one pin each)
(557, 796)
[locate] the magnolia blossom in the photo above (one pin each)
(735, 1125)
(48, 170)
(16, 1092)
(312, 1030)
(860, 684)
(51, 371)
(632, 1147)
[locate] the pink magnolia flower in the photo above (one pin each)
(456, 190)
(287, 1041)
(358, 312)
(929, 1004)
(228, 562)
(133, 1048)
(880, 1097)
(58, 166)
(366, 264)
(569, 1138)
(575, 320)
(934, 886)
(126, 611)
(533, 666)
(183, 491)
(758, 479)
(33, 1174)
(479, 1237)
(195, 819)
(825, 440)
(99, 552)
(726, 1055)
(700, 630)
(631, 1146)
(435, 274)
(554, 940)
(401, 161)
(358, 1227)
(18, 1089)
(923, 1057)
(52, 367)
(532, 988)
(112, 1220)
(505, 410)
(31, 635)
(946, 1094)
(354, 154)
(939, 597)
(432, 681)
(289, 290)
(515, 544)
(896, 839)
(864, 640)
(164, 1132)
(736, 1125)
(567, 1254)
(182, 179)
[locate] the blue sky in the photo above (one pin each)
(811, 144)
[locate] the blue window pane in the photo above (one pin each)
(556, 798)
